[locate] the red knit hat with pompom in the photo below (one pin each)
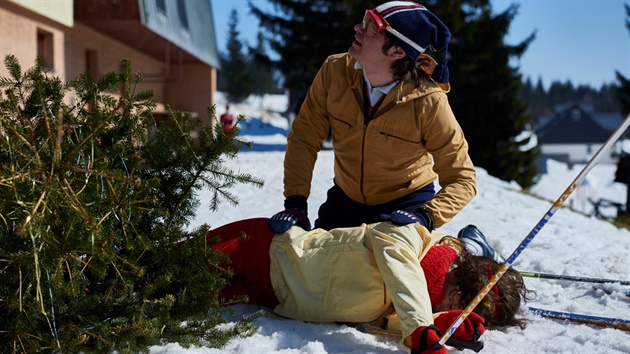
(436, 263)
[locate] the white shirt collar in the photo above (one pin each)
(375, 92)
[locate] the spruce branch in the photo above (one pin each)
(95, 254)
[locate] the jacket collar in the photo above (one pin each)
(403, 91)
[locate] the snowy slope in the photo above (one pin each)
(570, 243)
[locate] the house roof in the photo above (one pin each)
(574, 125)
(610, 121)
(167, 30)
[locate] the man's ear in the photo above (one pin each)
(396, 52)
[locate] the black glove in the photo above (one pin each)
(421, 216)
(295, 213)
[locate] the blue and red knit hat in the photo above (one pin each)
(422, 27)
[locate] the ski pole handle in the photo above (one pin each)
(453, 342)
(462, 344)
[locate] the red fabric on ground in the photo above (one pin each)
(249, 255)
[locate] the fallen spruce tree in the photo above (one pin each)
(93, 217)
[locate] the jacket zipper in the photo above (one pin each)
(361, 101)
(365, 126)
(363, 161)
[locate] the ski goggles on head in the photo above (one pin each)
(373, 24)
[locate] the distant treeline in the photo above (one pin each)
(541, 102)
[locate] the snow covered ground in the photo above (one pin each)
(571, 243)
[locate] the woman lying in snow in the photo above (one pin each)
(400, 278)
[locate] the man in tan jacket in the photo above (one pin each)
(393, 131)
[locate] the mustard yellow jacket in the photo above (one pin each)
(412, 139)
(353, 274)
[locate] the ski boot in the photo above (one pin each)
(477, 243)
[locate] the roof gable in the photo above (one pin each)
(573, 126)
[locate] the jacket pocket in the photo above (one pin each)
(414, 139)
(338, 122)
(401, 150)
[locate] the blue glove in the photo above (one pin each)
(294, 214)
(282, 221)
(421, 216)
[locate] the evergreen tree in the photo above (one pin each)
(541, 98)
(560, 93)
(235, 65)
(606, 99)
(624, 93)
(95, 254)
(485, 88)
(261, 70)
(624, 83)
(527, 90)
(542, 103)
(536, 99)
(303, 33)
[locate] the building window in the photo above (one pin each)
(45, 48)
(91, 63)
(161, 5)
(576, 115)
(183, 16)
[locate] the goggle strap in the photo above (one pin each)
(405, 39)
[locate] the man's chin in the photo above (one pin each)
(352, 52)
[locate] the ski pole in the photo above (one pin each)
(586, 319)
(574, 278)
(505, 266)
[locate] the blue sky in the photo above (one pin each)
(582, 41)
